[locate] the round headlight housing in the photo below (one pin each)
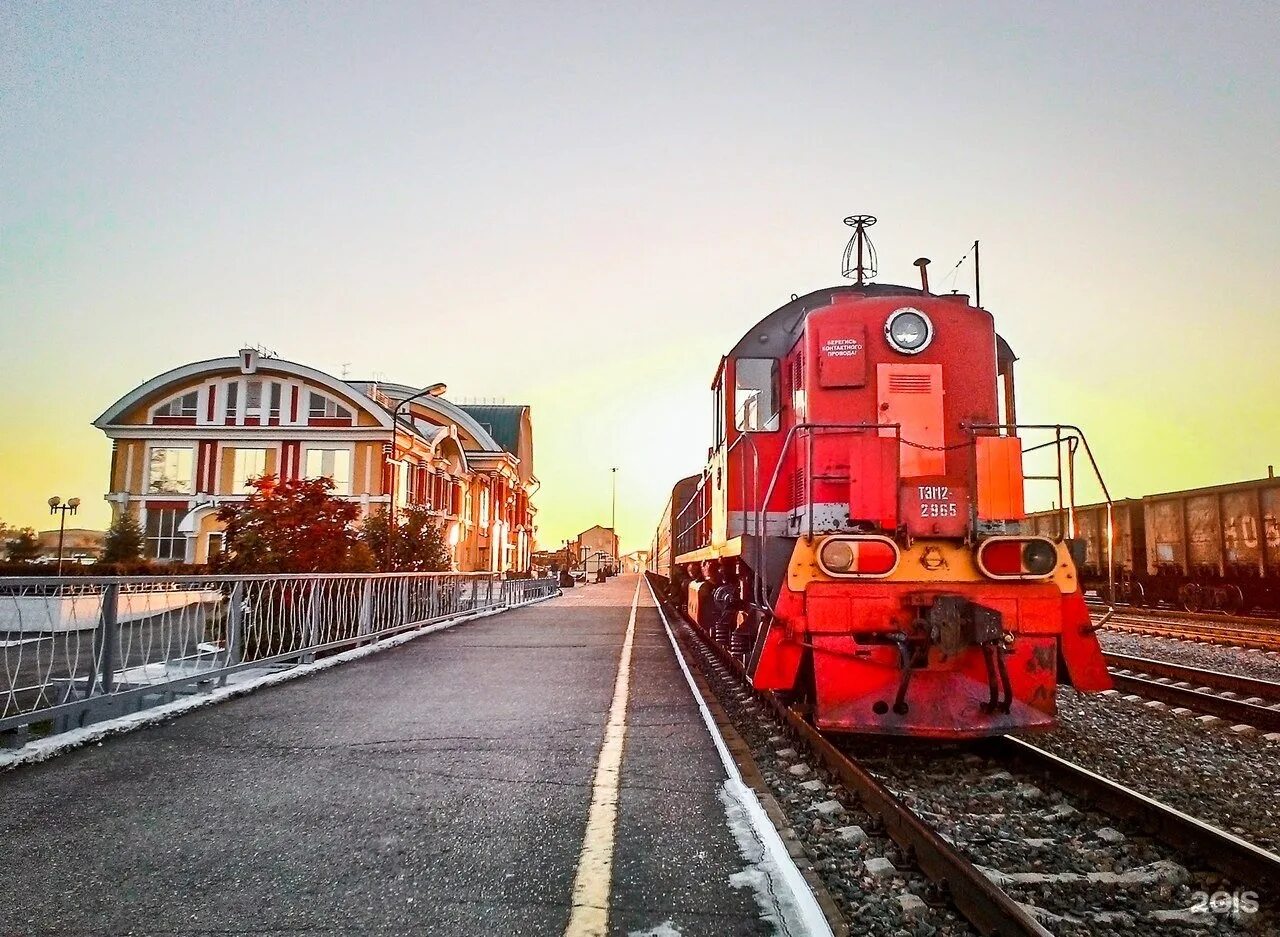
(1039, 557)
(837, 555)
(908, 330)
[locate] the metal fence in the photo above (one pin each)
(75, 649)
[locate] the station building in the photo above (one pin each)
(188, 441)
(595, 547)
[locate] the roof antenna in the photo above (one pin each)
(859, 246)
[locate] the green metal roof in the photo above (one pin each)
(501, 421)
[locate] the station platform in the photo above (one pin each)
(455, 785)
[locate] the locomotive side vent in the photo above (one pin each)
(910, 383)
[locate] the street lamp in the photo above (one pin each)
(57, 507)
(435, 390)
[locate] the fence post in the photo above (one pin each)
(235, 628)
(313, 623)
(366, 608)
(109, 635)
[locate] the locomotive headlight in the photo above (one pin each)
(837, 555)
(1039, 557)
(908, 330)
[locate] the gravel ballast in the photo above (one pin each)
(1262, 665)
(877, 889)
(1078, 871)
(1225, 778)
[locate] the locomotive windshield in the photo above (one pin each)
(755, 399)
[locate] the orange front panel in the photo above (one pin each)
(1000, 478)
(873, 481)
(911, 396)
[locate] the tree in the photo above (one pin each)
(419, 544)
(123, 543)
(21, 544)
(293, 526)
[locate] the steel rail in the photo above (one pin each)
(983, 903)
(1210, 633)
(986, 906)
(1250, 865)
(1235, 711)
(1198, 677)
(1178, 614)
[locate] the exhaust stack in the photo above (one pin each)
(923, 264)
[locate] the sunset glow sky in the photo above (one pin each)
(582, 206)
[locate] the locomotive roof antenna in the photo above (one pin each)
(859, 254)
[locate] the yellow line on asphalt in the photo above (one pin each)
(590, 914)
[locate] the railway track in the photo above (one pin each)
(1041, 885)
(1260, 633)
(1238, 699)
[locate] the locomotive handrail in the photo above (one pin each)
(761, 508)
(1058, 428)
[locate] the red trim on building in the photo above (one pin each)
(290, 455)
(213, 400)
(173, 421)
(329, 421)
(166, 505)
(293, 404)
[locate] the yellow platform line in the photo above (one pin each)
(590, 914)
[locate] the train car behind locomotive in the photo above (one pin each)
(856, 533)
(1203, 549)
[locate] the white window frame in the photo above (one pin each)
(329, 401)
(238, 486)
(348, 448)
(190, 446)
(198, 391)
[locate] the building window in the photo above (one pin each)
(249, 464)
(334, 464)
(233, 399)
(322, 408)
(253, 398)
(215, 547)
(170, 471)
(274, 411)
(184, 406)
(164, 540)
(484, 507)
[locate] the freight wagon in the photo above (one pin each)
(1204, 549)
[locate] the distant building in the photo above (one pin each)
(78, 545)
(187, 441)
(596, 546)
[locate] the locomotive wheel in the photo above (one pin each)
(1232, 598)
(1191, 597)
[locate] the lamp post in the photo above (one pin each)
(435, 390)
(613, 515)
(57, 507)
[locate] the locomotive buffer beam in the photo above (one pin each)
(952, 624)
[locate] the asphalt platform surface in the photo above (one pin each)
(441, 787)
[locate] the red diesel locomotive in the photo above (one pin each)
(856, 535)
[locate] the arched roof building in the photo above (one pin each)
(188, 440)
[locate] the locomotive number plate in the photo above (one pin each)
(942, 510)
(937, 501)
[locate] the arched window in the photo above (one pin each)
(320, 407)
(183, 407)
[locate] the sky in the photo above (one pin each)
(582, 206)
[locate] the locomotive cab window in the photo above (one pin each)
(756, 394)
